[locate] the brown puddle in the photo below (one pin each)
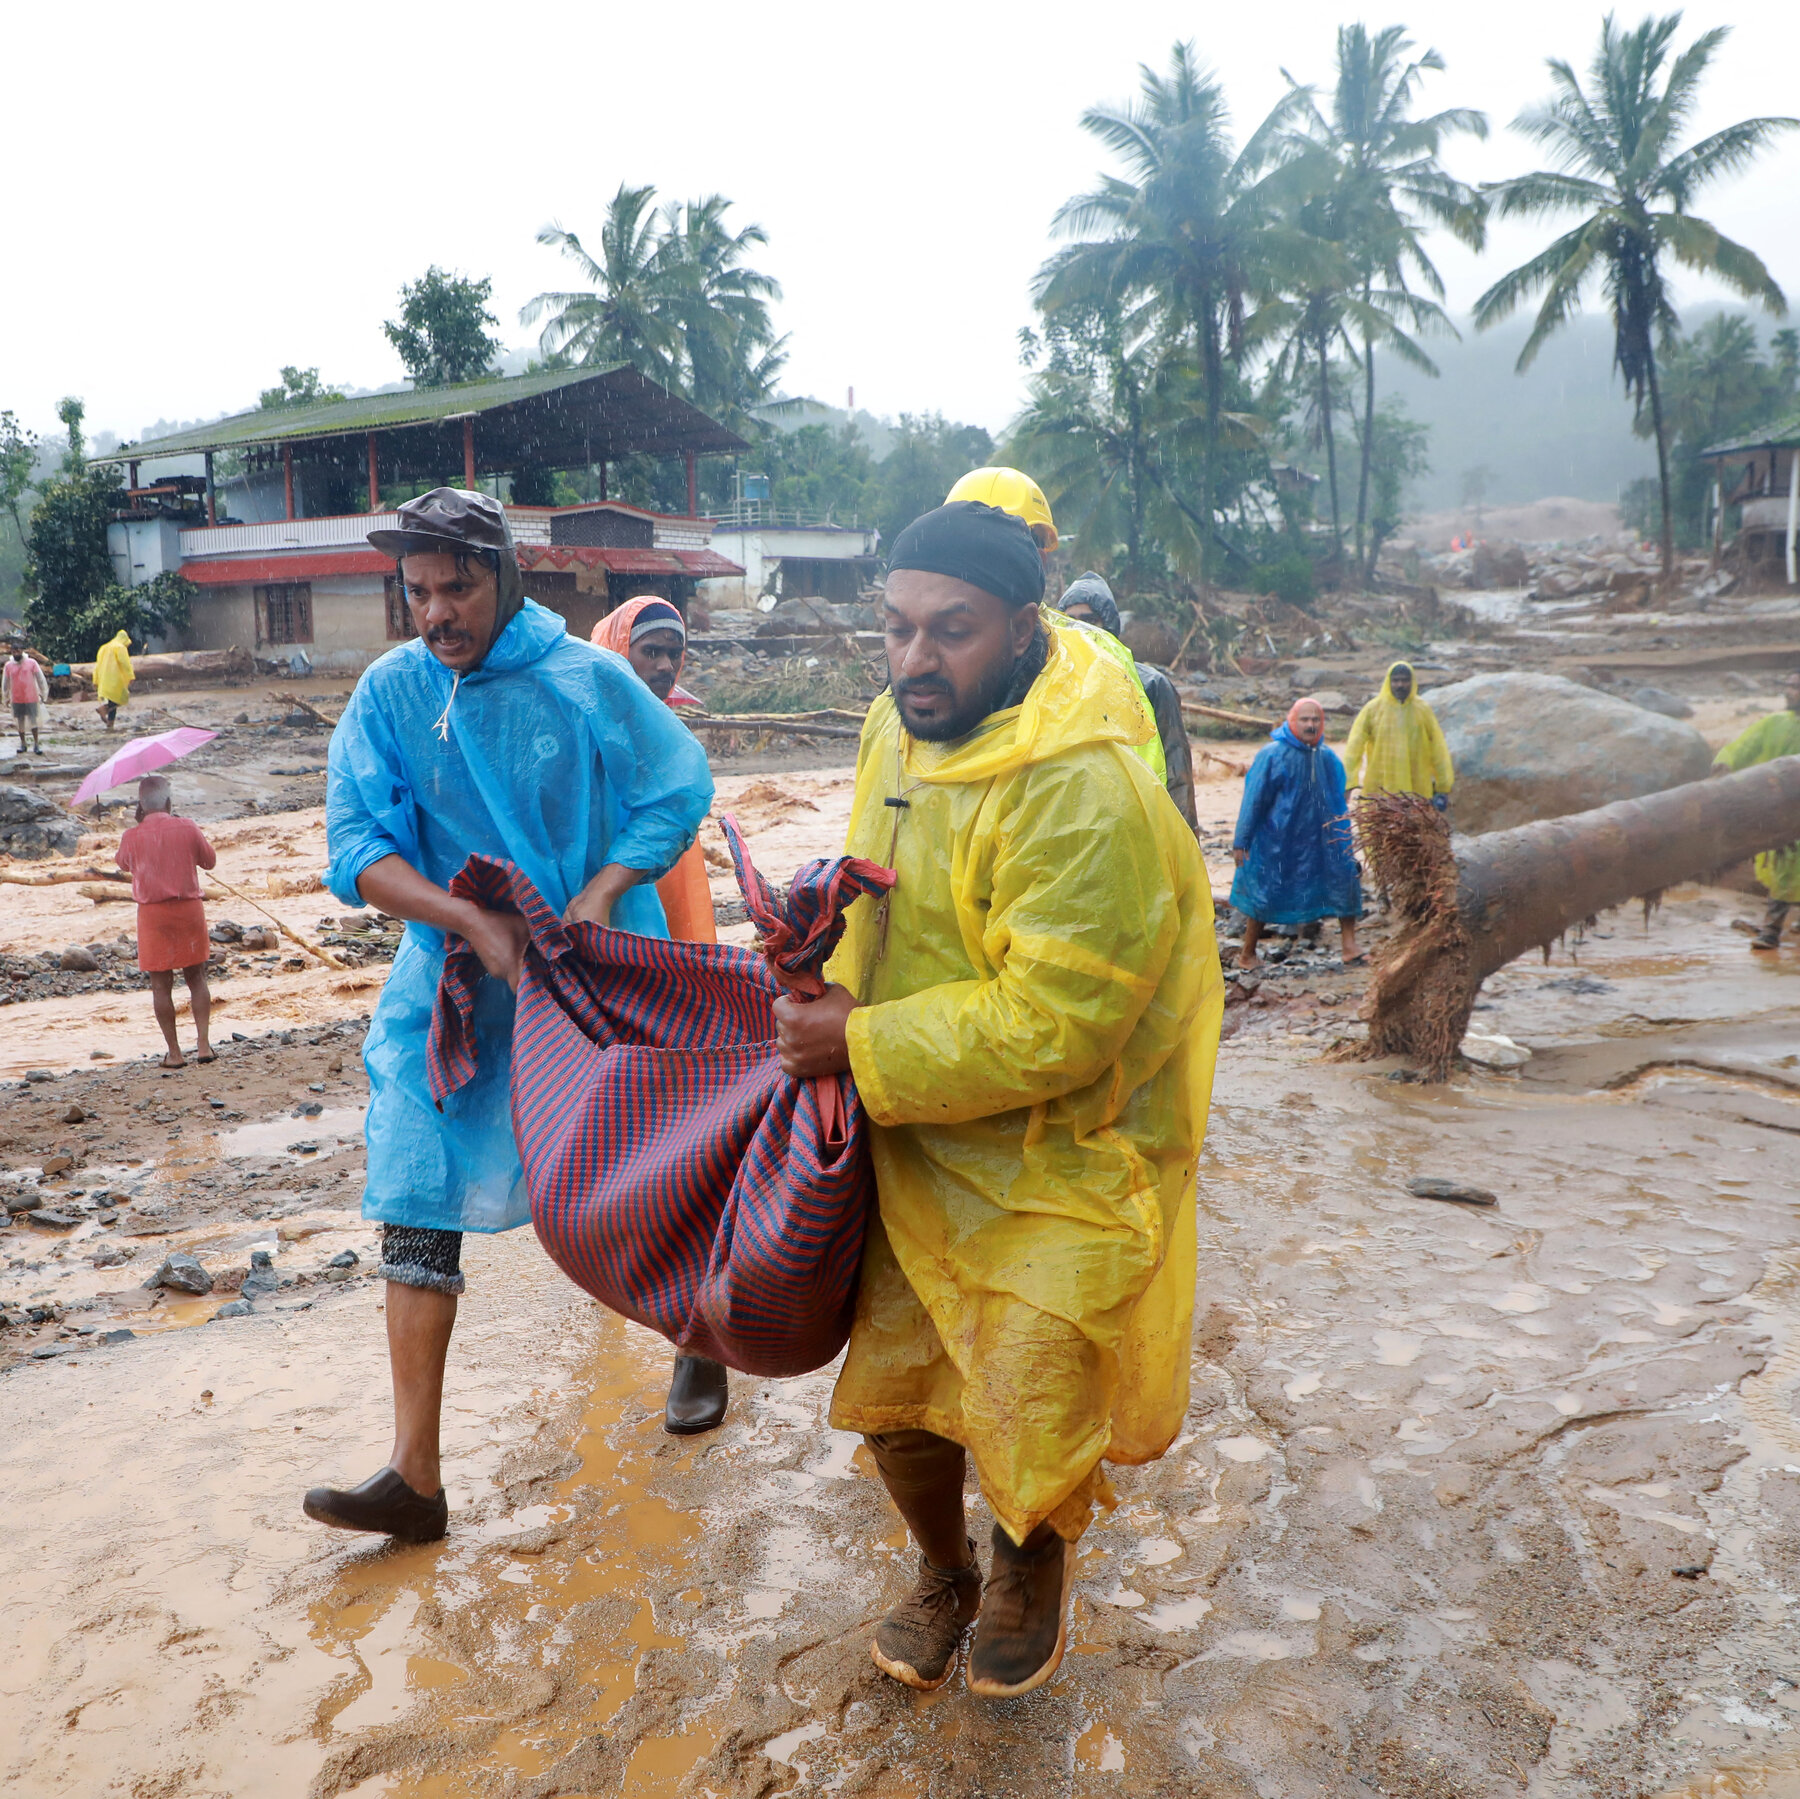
(572, 1576)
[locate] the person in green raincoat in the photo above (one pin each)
(1778, 869)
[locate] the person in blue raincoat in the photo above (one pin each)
(1292, 843)
(495, 733)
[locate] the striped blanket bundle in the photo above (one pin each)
(674, 1171)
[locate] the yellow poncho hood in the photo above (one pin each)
(1035, 1053)
(1397, 746)
(112, 669)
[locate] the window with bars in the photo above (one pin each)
(399, 614)
(284, 614)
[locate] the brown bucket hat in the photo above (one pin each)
(456, 521)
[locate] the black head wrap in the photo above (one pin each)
(1092, 591)
(988, 548)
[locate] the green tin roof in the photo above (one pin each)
(1783, 434)
(562, 418)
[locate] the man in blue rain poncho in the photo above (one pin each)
(494, 733)
(1292, 842)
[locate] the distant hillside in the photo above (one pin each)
(1563, 427)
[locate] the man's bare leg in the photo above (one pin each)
(405, 1499)
(200, 998)
(917, 1641)
(1247, 957)
(419, 1323)
(162, 1003)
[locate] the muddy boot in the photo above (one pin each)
(1025, 1621)
(917, 1641)
(383, 1503)
(698, 1390)
(1764, 941)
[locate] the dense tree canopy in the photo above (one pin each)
(441, 334)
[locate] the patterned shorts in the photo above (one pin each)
(417, 1256)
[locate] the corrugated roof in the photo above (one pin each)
(611, 411)
(1784, 434)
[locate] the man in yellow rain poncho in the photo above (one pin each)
(1032, 1021)
(1777, 869)
(1397, 745)
(112, 676)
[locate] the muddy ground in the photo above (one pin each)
(1469, 1502)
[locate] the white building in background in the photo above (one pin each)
(293, 570)
(791, 556)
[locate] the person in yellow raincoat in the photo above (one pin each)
(1032, 1019)
(1777, 869)
(1397, 745)
(112, 676)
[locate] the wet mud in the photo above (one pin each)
(1468, 1502)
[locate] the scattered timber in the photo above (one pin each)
(1220, 715)
(305, 705)
(100, 892)
(58, 877)
(795, 724)
(293, 936)
(184, 668)
(1470, 905)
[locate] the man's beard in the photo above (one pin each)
(987, 697)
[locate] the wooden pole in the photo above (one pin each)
(312, 949)
(469, 453)
(287, 478)
(374, 482)
(694, 488)
(212, 511)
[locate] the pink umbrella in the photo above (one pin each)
(139, 757)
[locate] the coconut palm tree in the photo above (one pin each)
(1386, 186)
(1615, 147)
(730, 354)
(629, 311)
(1193, 243)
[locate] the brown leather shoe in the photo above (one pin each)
(384, 1503)
(1025, 1621)
(917, 1641)
(698, 1393)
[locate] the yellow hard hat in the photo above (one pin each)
(1010, 491)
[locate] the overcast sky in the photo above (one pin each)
(201, 196)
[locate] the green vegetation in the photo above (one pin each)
(298, 387)
(1717, 385)
(73, 604)
(1618, 164)
(670, 292)
(441, 335)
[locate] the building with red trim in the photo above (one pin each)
(295, 572)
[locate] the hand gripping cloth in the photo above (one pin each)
(673, 1170)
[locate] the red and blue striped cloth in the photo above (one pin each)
(674, 1171)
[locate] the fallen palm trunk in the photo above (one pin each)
(1471, 905)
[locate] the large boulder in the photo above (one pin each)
(1536, 746)
(33, 825)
